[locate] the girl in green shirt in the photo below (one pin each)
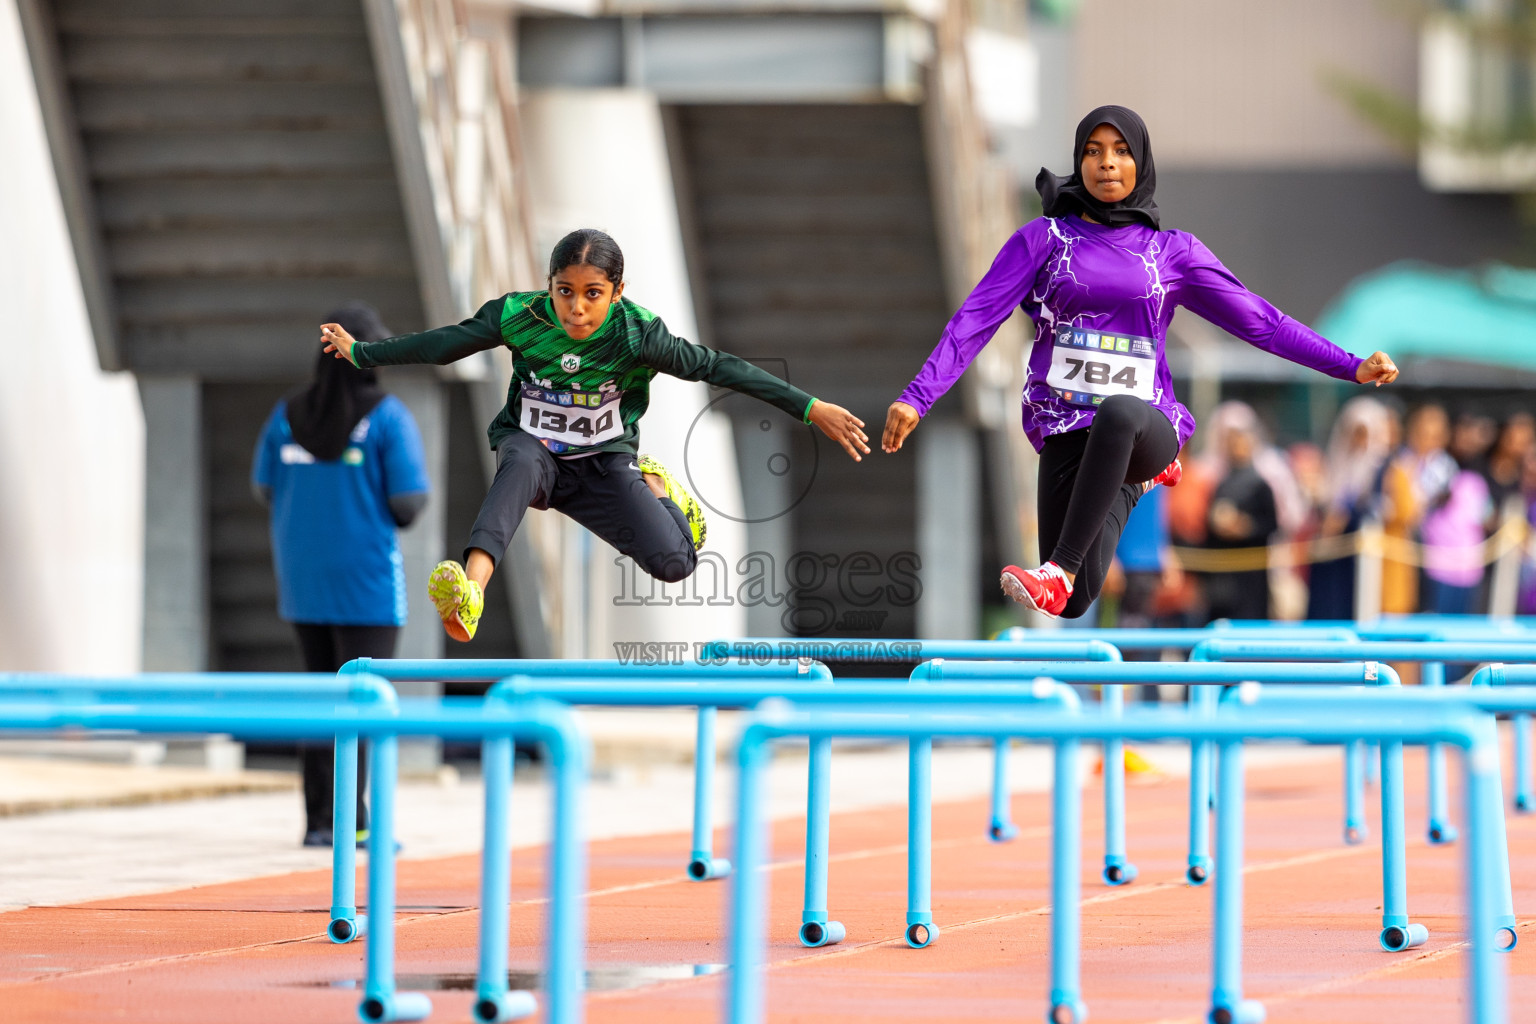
(583, 357)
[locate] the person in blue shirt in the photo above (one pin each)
(340, 465)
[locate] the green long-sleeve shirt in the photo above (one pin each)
(566, 392)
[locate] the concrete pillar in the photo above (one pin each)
(423, 546)
(175, 526)
(766, 496)
(948, 530)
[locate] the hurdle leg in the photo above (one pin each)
(1067, 1006)
(702, 863)
(1372, 761)
(1355, 829)
(567, 917)
(1001, 829)
(748, 914)
(1440, 828)
(380, 1000)
(346, 923)
(1397, 933)
(493, 1001)
(1486, 974)
(921, 931)
(1505, 936)
(815, 929)
(1202, 698)
(1227, 1003)
(1116, 870)
(1521, 726)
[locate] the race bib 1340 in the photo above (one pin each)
(570, 420)
(1088, 366)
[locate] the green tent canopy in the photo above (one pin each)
(1422, 314)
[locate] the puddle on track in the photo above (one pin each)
(616, 978)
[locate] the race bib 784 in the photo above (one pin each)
(1088, 366)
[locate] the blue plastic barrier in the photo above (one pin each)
(1520, 723)
(702, 862)
(1485, 697)
(1054, 645)
(817, 928)
(1432, 654)
(544, 722)
(1202, 677)
(173, 687)
(1320, 721)
(1445, 627)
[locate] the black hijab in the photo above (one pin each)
(323, 412)
(1062, 196)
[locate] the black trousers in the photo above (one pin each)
(1090, 480)
(603, 492)
(326, 649)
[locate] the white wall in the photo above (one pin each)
(598, 158)
(71, 437)
(1242, 86)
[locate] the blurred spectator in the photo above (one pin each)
(341, 466)
(1506, 459)
(1268, 461)
(1471, 438)
(1416, 479)
(1526, 602)
(1242, 515)
(1453, 534)
(1357, 449)
(1188, 502)
(1153, 581)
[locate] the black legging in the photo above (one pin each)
(326, 649)
(1082, 514)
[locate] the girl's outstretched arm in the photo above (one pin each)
(1209, 289)
(440, 346)
(664, 351)
(999, 292)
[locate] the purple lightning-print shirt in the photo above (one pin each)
(1116, 280)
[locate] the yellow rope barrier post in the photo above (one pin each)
(1368, 571)
(1504, 590)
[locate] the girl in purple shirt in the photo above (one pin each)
(1101, 280)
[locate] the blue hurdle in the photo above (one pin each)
(1486, 697)
(1321, 721)
(1145, 641)
(1017, 644)
(1442, 627)
(1433, 654)
(816, 927)
(544, 722)
(702, 862)
(1206, 675)
(172, 687)
(1520, 722)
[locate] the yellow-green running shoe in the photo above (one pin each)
(457, 598)
(692, 510)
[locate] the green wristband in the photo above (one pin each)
(807, 418)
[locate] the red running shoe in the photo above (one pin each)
(1044, 589)
(1169, 477)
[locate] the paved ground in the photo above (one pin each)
(251, 950)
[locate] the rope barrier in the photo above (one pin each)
(1513, 534)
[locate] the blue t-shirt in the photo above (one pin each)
(1145, 534)
(334, 543)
